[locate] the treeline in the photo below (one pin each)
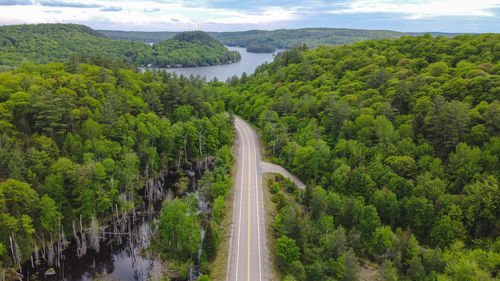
(141, 36)
(45, 43)
(312, 37)
(270, 40)
(261, 48)
(79, 140)
(399, 144)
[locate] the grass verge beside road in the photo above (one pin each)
(218, 268)
(270, 211)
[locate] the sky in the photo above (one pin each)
(475, 16)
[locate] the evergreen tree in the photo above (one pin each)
(209, 244)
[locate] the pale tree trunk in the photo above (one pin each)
(200, 142)
(185, 147)
(94, 234)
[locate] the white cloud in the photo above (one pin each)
(150, 14)
(270, 14)
(422, 9)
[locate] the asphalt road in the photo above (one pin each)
(248, 255)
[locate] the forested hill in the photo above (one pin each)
(312, 37)
(44, 43)
(193, 48)
(268, 41)
(141, 36)
(399, 142)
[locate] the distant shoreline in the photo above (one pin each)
(181, 66)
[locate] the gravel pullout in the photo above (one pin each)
(273, 168)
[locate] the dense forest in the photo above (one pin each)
(398, 141)
(79, 140)
(312, 37)
(263, 40)
(399, 144)
(45, 43)
(141, 36)
(256, 47)
(194, 48)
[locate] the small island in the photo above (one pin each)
(261, 48)
(193, 48)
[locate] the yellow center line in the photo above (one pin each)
(249, 183)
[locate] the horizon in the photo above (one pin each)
(482, 16)
(315, 27)
(246, 30)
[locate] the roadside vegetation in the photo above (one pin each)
(79, 140)
(398, 142)
(179, 238)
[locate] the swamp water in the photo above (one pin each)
(114, 251)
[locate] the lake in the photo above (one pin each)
(119, 256)
(248, 63)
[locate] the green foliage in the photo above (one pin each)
(260, 48)
(80, 141)
(463, 264)
(193, 48)
(287, 250)
(17, 198)
(384, 241)
(390, 135)
(141, 36)
(50, 215)
(281, 39)
(45, 43)
(351, 266)
(481, 205)
(209, 244)
(288, 38)
(398, 142)
(219, 204)
(388, 272)
(179, 230)
(204, 278)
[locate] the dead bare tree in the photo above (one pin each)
(156, 271)
(50, 252)
(94, 233)
(37, 255)
(201, 134)
(185, 147)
